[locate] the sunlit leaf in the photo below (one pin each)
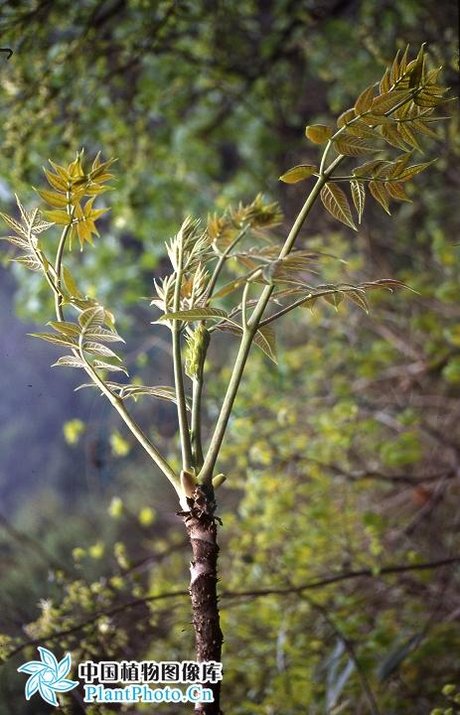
(102, 365)
(53, 199)
(360, 128)
(345, 118)
(55, 339)
(68, 361)
(391, 135)
(69, 329)
(358, 297)
(397, 191)
(412, 171)
(56, 181)
(353, 146)
(408, 135)
(265, 339)
(385, 82)
(368, 168)
(364, 101)
(21, 243)
(92, 318)
(30, 262)
(69, 282)
(12, 223)
(104, 335)
(358, 194)
(389, 100)
(334, 299)
(62, 218)
(298, 173)
(95, 348)
(194, 314)
(336, 203)
(318, 133)
(380, 194)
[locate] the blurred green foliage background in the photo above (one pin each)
(343, 461)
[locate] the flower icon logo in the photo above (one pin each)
(47, 676)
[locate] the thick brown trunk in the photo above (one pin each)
(201, 525)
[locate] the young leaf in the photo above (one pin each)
(353, 146)
(62, 218)
(392, 136)
(55, 339)
(408, 136)
(389, 100)
(385, 82)
(265, 339)
(21, 243)
(14, 225)
(68, 361)
(367, 168)
(358, 194)
(345, 118)
(109, 367)
(364, 101)
(334, 298)
(232, 286)
(92, 318)
(69, 283)
(298, 173)
(358, 297)
(194, 314)
(53, 199)
(95, 348)
(335, 201)
(70, 329)
(318, 133)
(415, 68)
(388, 283)
(160, 391)
(380, 194)
(413, 170)
(397, 191)
(30, 262)
(55, 181)
(103, 334)
(422, 127)
(361, 129)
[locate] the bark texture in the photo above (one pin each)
(201, 525)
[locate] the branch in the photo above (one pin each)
(178, 375)
(345, 576)
(22, 538)
(111, 612)
(115, 401)
(136, 603)
(220, 263)
(251, 328)
(351, 652)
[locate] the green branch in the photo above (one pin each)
(220, 263)
(58, 298)
(197, 395)
(114, 400)
(132, 425)
(185, 442)
(250, 329)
